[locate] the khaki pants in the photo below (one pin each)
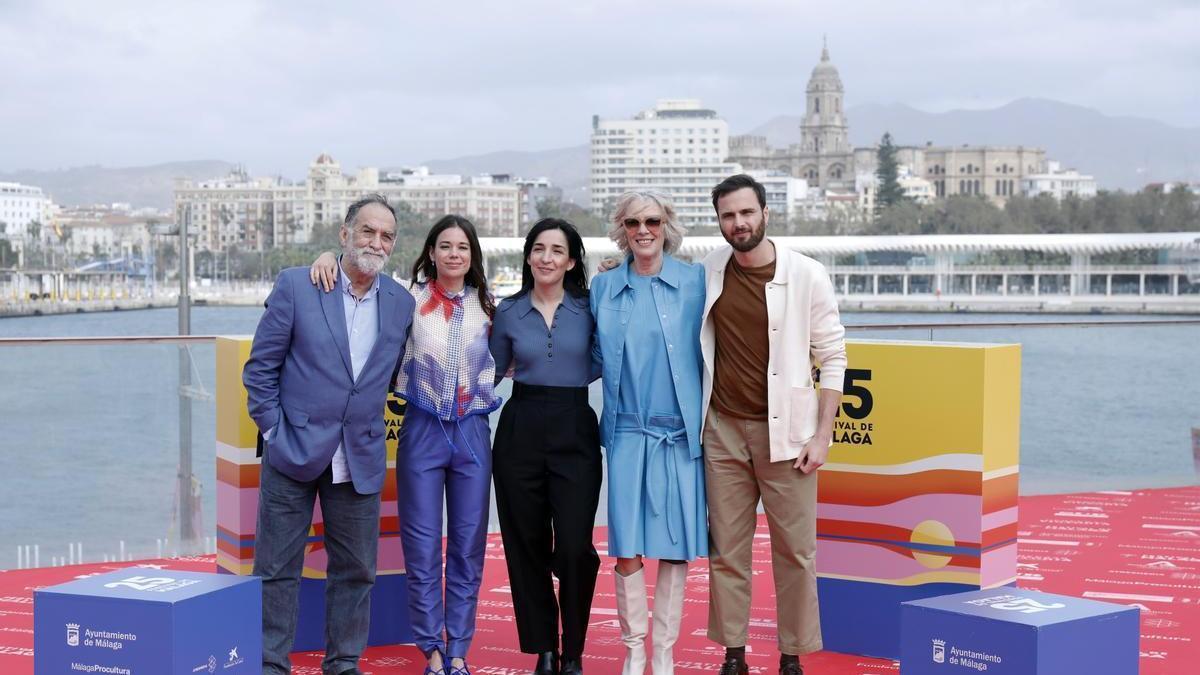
(739, 471)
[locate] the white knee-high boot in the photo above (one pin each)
(668, 612)
(632, 612)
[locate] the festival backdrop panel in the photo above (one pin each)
(919, 496)
(238, 457)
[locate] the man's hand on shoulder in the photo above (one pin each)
(607, 264)
(323, 271)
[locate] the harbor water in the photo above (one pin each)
(89, 434)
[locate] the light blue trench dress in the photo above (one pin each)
(648, 339)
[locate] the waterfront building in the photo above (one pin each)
(678, 147)
(914, 187)
(534, 190)
(786, 194)
(23, 210)
(1058, 183)
(958, 271)
(492, 202)
(1170, 186)
(103, 232)
(825, 158)
(258, 213)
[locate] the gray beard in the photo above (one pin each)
(366, 264)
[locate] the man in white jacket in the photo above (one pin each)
(770, 319)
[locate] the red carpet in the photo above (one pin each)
(1138, 547)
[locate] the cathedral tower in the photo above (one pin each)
(824, 131)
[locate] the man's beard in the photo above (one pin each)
(364, 261)
(756, 237)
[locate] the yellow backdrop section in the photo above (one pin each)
(905, 401)
(234, 426)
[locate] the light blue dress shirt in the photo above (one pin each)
(362, 327)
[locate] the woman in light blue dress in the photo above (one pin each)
(648, 313)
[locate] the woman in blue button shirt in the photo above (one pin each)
(547, 467)
(648, 313)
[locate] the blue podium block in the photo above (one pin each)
(1012, 631)
(140, 621)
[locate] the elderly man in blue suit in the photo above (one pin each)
(317, 382)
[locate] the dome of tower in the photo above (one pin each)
(825, 75)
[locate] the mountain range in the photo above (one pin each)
(139, 185)
(1121, 152)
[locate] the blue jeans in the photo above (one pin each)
(285, 509)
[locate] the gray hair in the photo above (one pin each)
(374, 198)
(672, 232)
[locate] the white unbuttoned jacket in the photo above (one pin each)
(805, 331)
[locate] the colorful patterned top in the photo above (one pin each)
(448, 369)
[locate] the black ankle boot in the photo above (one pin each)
(734, 665)
(571, 665)
(547, 664)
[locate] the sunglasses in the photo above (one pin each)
(634, 223)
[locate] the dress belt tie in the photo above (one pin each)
(662, 442)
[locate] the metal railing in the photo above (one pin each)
(91, 442)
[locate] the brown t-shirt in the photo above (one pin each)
(740, 320)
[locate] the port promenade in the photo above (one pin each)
(940, 273)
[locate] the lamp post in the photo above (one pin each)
(187, 506)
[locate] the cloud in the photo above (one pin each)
(272, 84)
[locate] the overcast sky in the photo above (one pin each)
(272, 84)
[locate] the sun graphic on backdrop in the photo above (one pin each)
(934, 533)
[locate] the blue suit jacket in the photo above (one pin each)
(299, 377)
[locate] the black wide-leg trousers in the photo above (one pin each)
(547, 470)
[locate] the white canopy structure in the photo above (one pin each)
(1072, 244)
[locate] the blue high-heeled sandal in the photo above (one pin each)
(444, 670)
(451, 670)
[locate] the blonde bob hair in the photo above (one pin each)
(636, 200)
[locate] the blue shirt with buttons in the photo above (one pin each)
(557, 355)
(677, 293)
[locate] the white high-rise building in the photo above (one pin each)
(678, 147)
(21, 206)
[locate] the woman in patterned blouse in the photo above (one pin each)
(444, 457)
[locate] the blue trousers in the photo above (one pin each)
(285, 510)
(443, 463)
